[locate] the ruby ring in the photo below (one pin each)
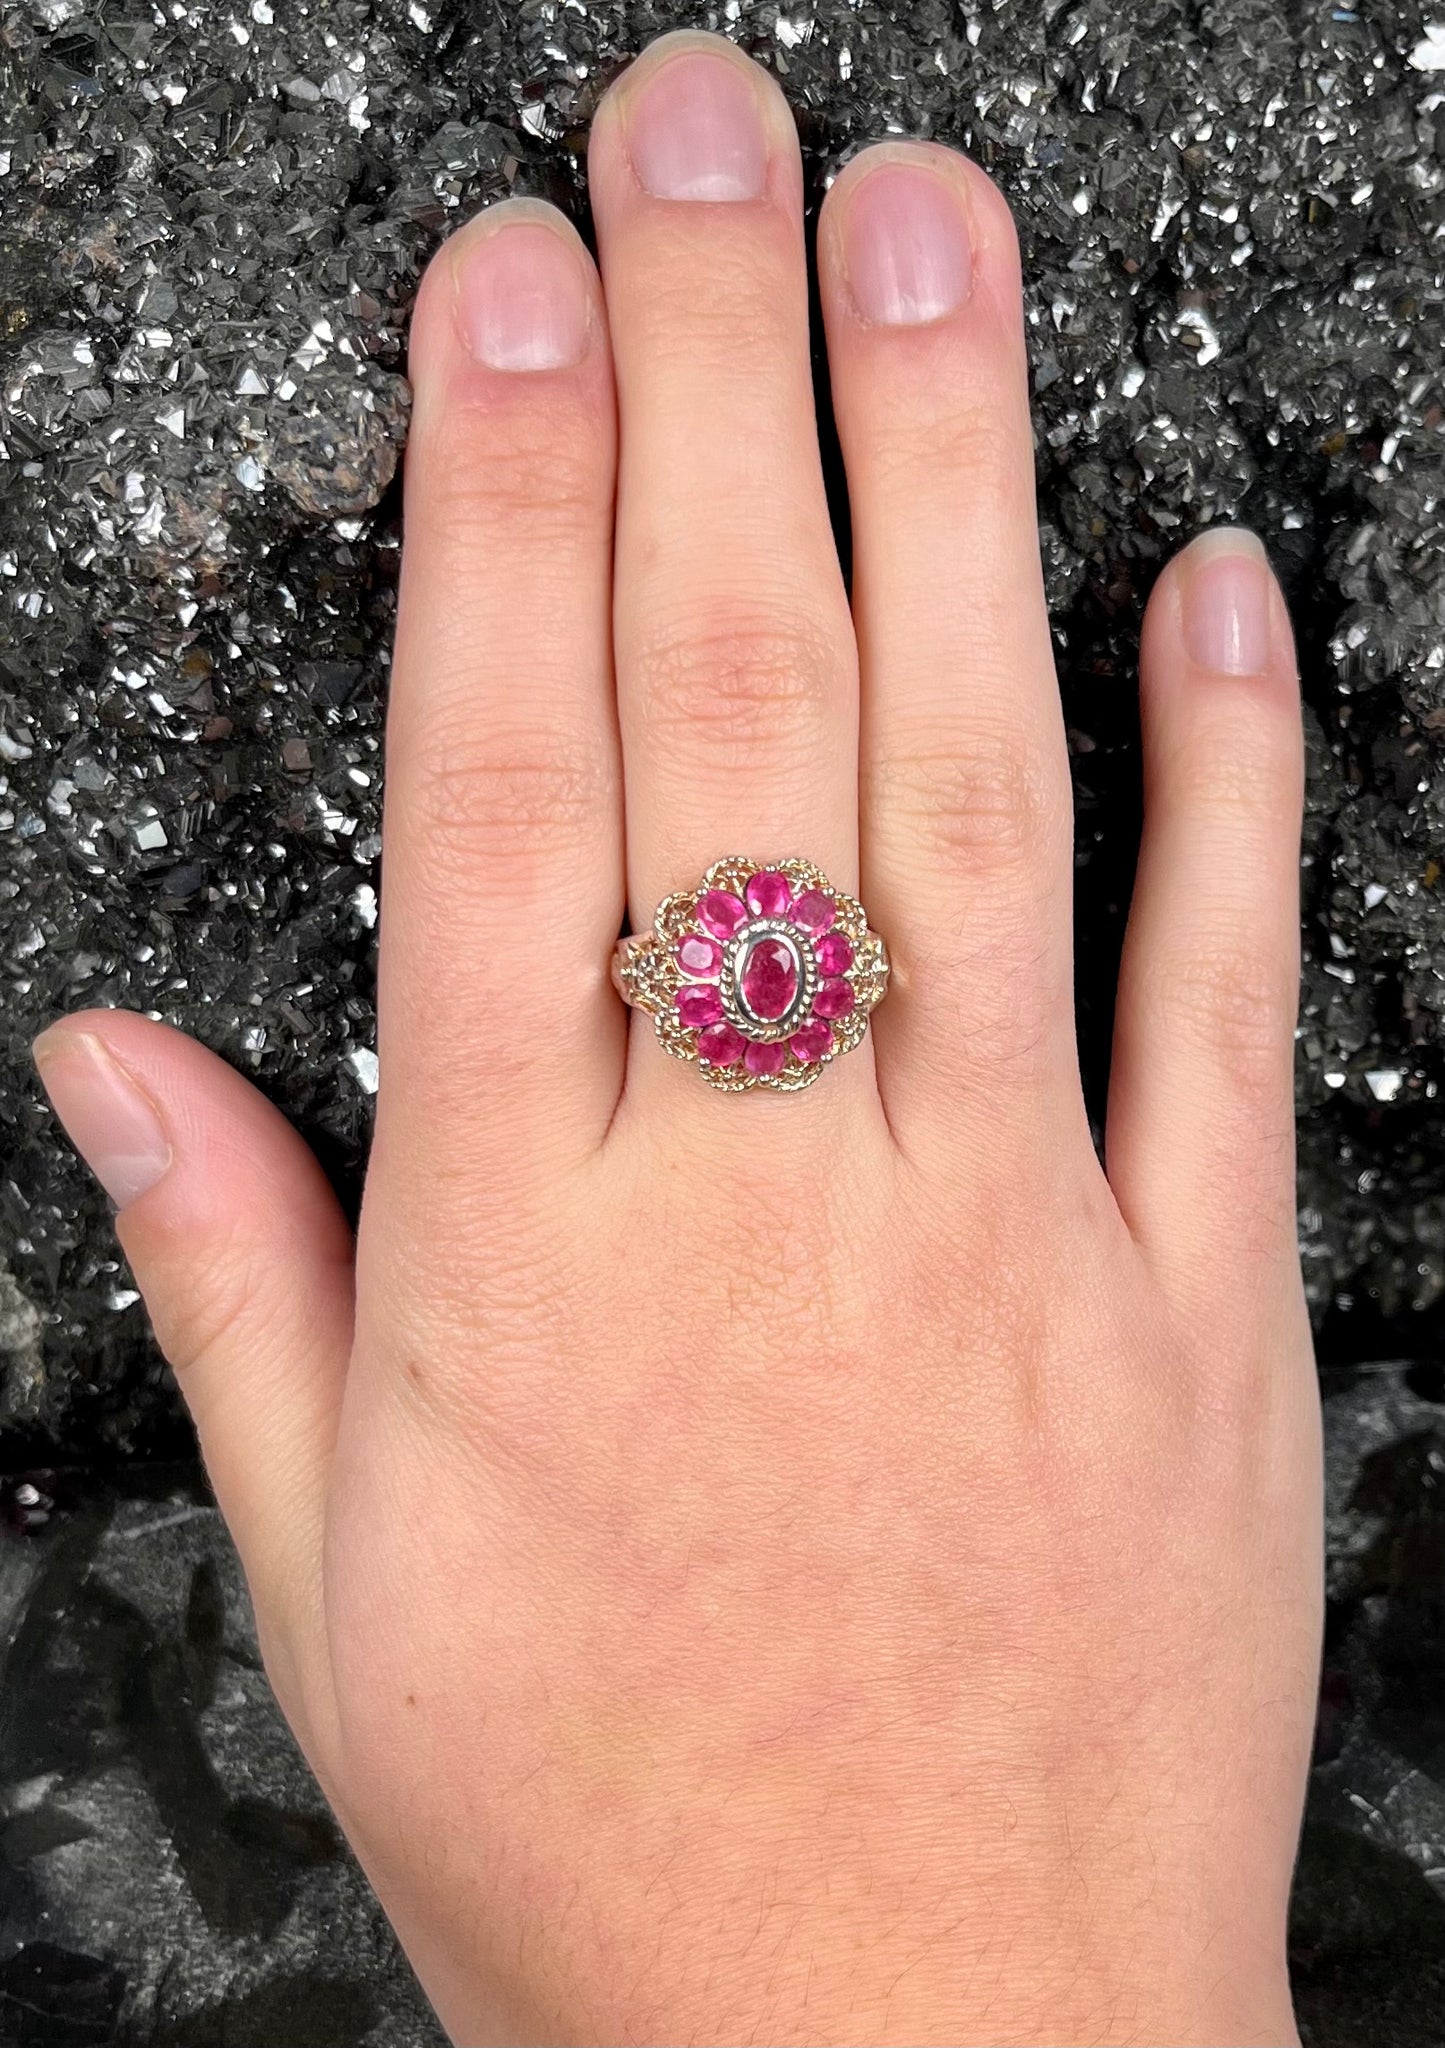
(760, 975)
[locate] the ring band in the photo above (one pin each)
(759, 976)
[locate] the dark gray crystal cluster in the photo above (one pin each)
(213, 223)
(213, 218)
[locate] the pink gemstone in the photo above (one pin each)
(698, 1005)
(834, 999)
(835, 955)
(810, 1041)
(769, 983)
(765, 1059)
(769, 895)
(722, 912)
(721, 1045)
(697, 954)
(814, 911)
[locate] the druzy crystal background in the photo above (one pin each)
(212, 222)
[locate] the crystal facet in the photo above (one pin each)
(698, 1005)
(721, 1045)
(834, 999)
(768, 983)
(810, 1041)
(769, 895)
(699, 955)
(723, 913)
(835, 954)
(814, 910)
(765, 1059)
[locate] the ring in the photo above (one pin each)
(759, 976)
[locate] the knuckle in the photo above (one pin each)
(1229, 776)
(482, 805)
(536, 465)
(930, 440)
(219, 1304)
(985, 804)
(997, 985)
(1232, 999)
(727, 306)
(741, 683)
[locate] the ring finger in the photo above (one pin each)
(967, 840)
(736, 669)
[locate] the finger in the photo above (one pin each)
(244, 1259)
(1201, 1126)
(966, 821)
(735, 661)
(499, 1035)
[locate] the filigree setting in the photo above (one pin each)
(760, 976)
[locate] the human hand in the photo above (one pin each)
(824, 1567)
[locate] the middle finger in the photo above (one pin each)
(737, 675)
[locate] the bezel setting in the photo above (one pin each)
(737, 1009)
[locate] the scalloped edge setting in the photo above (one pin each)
(648, 974)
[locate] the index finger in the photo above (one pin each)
(500, 1039)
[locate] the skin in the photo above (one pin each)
(840, 1567)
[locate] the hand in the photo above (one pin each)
(829, 1567)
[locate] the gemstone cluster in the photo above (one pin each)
(761, 975)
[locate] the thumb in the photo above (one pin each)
(245, 1261)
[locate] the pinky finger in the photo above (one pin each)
(1200, 1125)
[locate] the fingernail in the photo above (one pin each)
(905, 246)
(695, 130)
(521, 297)
(1226, 602)
(111, 1122)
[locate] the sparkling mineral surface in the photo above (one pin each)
(212, 223)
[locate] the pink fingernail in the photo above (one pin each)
(906, 247)
(1225, 586)
(695, 130)
(521, 297)
(111, 1122)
